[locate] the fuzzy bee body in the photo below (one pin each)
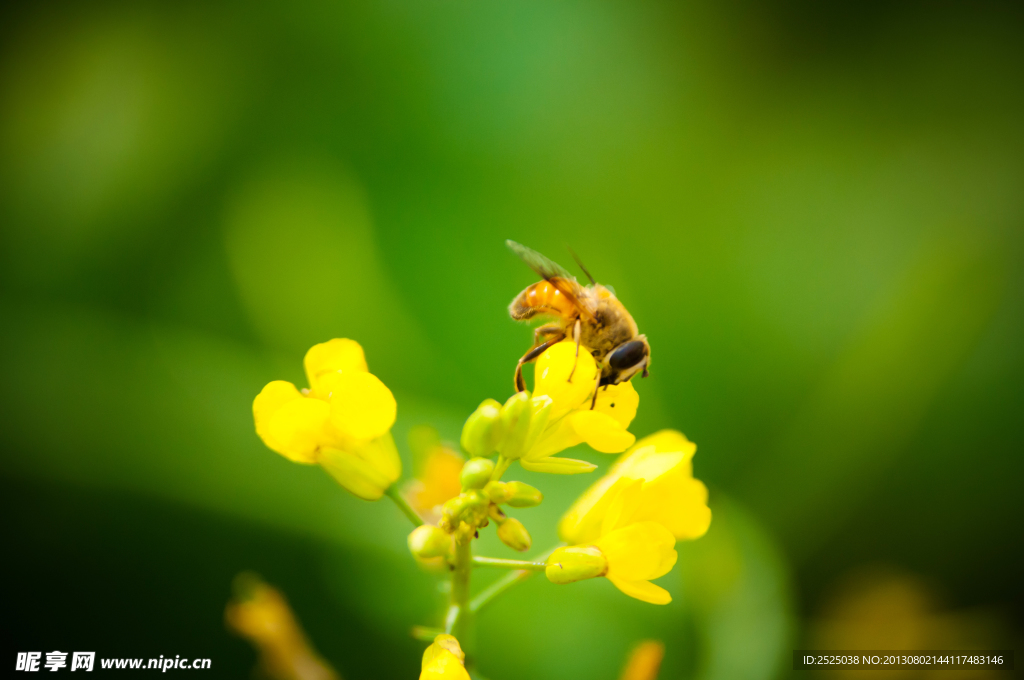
(590, 315)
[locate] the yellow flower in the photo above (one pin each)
(668, 493)
(629, 556)
(558, 416)
(644, 661)
(436, 473)
(342, 421)
(444, 660)
(260, 613)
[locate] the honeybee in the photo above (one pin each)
(591, 315)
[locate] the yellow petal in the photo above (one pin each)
(557, 438)
(639, 552)
(664, 441)
(557, 466)
(272, 397)
(362, 407)
(670, 495)
(602, 432)
(552, 377)
(340, 354)
(619, 401)
(582, 523)
(677, 501)
(623, 506)
(642, 590)
(291, 424)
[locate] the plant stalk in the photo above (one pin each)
(499, 563)
(500, 467)
(457, 622)
(493, 591)
(396, 495)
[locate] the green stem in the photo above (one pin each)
(425, 633)
(491, 592)
(396, 495)
(500, 467)
(507, 564)
(459, 614)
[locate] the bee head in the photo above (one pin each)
(627, 360)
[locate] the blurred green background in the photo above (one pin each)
(813, 210)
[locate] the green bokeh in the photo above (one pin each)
(813, 211)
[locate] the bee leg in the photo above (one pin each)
(597, 386)
(577, 333)
(520, 383)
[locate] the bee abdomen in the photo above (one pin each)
(541, 298)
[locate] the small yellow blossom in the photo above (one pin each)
(444, 660)
(342, 421)
(668, 493)
(260, 613)
(628, 553)
(644, 661)
(532, 429)
(437, 469)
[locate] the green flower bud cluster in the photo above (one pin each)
(510, 429)
(476, 507)
(469, 507)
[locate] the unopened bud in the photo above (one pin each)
(476, 473)
(428, 541)
(498, 492)
(575, 563)
(513, 534)
(483, 429)
(524, 420)
(469, 507)
(523, 495)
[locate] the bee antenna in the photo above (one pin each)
(582, 266)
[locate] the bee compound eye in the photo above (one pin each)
(627, 355)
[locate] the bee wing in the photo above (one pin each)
(553, 273)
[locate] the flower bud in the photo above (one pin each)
(575, 563)
(523, 495)
(428, 541)
(498, 492)
(513, 534)
(469, 507)
(476, 473)
(483, 429)
(444, 660)
(524, 420)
